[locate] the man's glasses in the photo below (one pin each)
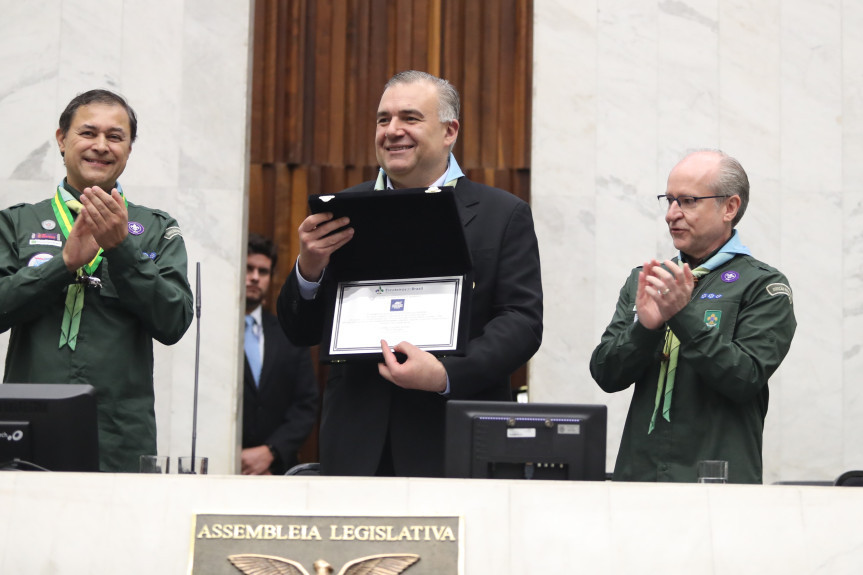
(686, 203)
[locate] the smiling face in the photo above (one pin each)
(411, 143)
(96, 146)
(707, 226)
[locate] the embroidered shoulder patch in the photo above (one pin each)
(779, 289)
(172, 232)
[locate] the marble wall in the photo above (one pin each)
(621, 90)
(184, 67)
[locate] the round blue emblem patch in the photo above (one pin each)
(730, 276)
(135, 228)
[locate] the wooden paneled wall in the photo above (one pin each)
(318, 72)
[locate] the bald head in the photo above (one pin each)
(705, 222)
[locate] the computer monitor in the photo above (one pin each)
(504, 440)
(48, 426)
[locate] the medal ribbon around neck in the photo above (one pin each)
(75, 293)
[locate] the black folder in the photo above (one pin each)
(398, 234)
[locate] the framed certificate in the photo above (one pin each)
(406, 275)
(424, 311)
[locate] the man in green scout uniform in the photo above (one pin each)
(699, 336)
(88, 279)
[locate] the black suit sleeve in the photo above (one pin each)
(302, 320)
(302, 410)
(506, 318)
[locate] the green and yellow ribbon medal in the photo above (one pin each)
(75, 293)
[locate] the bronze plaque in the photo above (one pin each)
(263, 544)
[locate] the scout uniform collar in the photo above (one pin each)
(733, 246)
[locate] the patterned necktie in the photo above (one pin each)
(668, 369)
(253, 348)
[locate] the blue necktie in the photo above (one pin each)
(253, 349)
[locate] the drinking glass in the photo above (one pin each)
(196, 467)
(154, 464)
(712, 471)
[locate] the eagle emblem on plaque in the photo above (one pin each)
(385, 564)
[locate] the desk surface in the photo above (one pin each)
(104, 523)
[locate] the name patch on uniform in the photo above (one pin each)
(779, 289)
(43, 239)
(38, 260)
(172, 232)
(712, 317)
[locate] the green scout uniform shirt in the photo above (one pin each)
(145, 295)
(734, 333)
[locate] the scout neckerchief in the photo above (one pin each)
(450, 177)
(64, 204)
(671, 348)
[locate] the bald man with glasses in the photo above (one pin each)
(699, 336)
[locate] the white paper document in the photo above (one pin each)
(422, 311)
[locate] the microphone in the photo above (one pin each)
(197, 361)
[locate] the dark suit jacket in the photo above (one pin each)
(361, 410)
(283, 409)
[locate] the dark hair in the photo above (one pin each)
(259, 244)
(98, 97)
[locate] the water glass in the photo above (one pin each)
(712, 471)
(196, 467)
(154, 464)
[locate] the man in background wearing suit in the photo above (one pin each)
(280, 394)
(388, 418)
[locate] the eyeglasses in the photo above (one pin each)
(686, 203)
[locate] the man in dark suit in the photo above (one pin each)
(280, 395)
(388, 419)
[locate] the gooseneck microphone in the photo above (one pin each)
(197, 361)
